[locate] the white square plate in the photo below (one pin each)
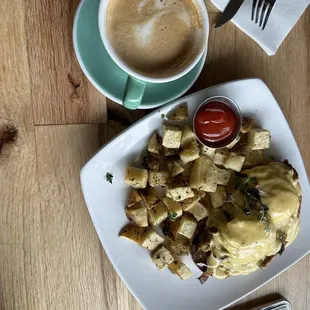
(161, 290)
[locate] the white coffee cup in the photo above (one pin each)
(136, 81)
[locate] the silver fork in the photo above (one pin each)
(261, 10)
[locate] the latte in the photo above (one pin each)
(157, 38)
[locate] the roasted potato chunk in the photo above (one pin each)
(207, 151)
(219, 197)
(138, 214)
(170, 152)
(157, 178)
(155, 144)
(180, 269)
(158, 214)
(162, 258)
(187, 226)
(253, 158)
(190, 153)
(179, 247)
(259, 139)
(223, 176)
(220, 156)
(179, 114)
(247, 124)
(171, 136)
(134, 197)
(204, 175)
(136, 177)
(176, 169)
(174, 209)
(234, 162)
(149, 196)
(188, 136)
(179, 192)
(199, 211)
(152, 162)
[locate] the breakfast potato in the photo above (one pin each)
(187, 169)
(174, 209)
(259, 139)
(157, 178)
(207, 151)
(170, 152)
(149, 196)
(233, 143)
(179, 192)
(187, 226)
(162, 258)
(247, 124)
(138, 214)
(157, 214)
(188, 136)
(199, 211)
(234, 162)
(155, 144)
(188, 203)
(178, 247)
(204, 175)
(179, 114)
(134, 197)
(220, 156)
(136, 177)
(152, 162)
(219, 197)
(144, 236)
(253, 158)
(180, 269)
(190, 153)
(176, 169)
(223, 176)
(171, 136)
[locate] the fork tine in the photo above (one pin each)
(263, 13)
(253, 8)
(258, 10)
(267, 16)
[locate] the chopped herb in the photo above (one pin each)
(163, 116)
(109, 177)
(172, 216)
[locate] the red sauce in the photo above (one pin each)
(215, 122)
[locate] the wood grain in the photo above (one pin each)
(61, 94)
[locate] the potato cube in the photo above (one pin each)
(223, 176)
(146, 237)
(157, 178)
(171, 152)
(233, 143)
(136, 177)
(247, 124)
(204, 175)
(220, 156)
(176, 169)
(180, 269)
(187, 226)
(158, 214)
(155, 144)
(150, 240)
(179, 247)
(238, 198)
(199, 211)
(190, 153)
(179, 192)
(174, 209)
(134, 197)
(190, 202)
(207, 151)
(171, 136)
(187, 169)
(179, 114)
(150, 197)
(259, 139)
(219, 197)
(162, 258)
(138, 214)
(188, 136)
(152, 162)
(253, 158)
(234, 162)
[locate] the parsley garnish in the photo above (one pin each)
(163, 116)
(172, 216)
(109, 177)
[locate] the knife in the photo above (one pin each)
(231, 9)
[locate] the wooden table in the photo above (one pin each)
(50, 255)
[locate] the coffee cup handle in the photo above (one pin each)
(134, 92)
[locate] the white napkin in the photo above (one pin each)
(282, 19)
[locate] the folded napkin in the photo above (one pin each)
(282, 19)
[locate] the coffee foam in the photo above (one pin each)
(155, 37)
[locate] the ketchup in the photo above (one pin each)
(215, 122)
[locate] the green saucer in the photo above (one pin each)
(103, 72)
